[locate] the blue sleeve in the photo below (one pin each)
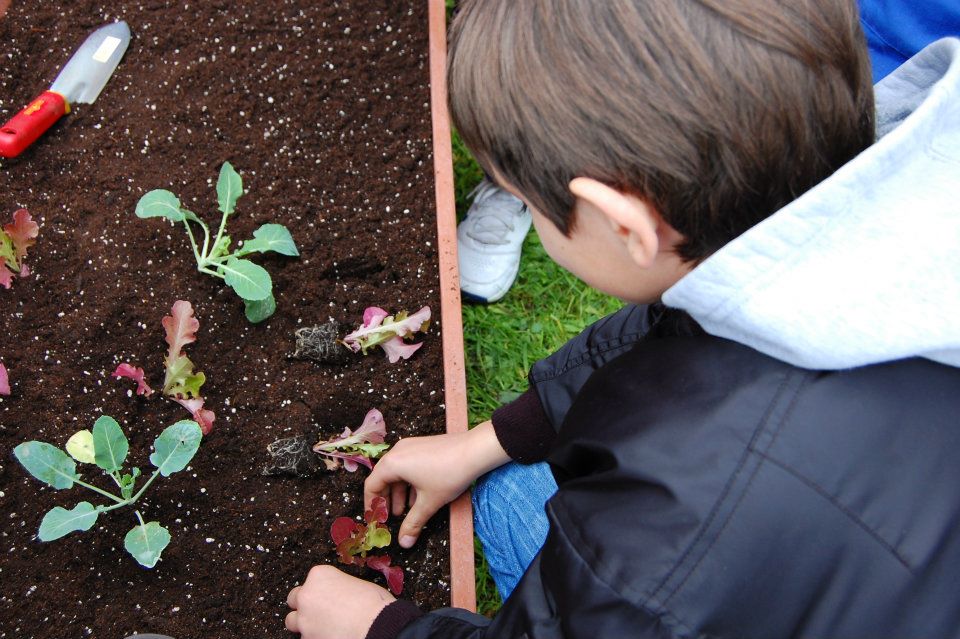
(897, 29)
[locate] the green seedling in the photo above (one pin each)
(106, 447)
(250, 281)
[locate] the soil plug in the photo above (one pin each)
(292, 456)
(321, 344)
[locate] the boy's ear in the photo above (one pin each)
(631, 218)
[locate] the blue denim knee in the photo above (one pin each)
(510, 520)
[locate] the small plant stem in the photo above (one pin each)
(145, 486)
(204, 269)
(193, 243)
(106, 509)
(116, 479)
(98, 490)
(206, 240)
(222, 258)
(139, 517)
(223, 225)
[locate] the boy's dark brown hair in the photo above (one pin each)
(717, 112)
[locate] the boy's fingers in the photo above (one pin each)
(291, 622)
(414, 522)
(292, 597)
(398, 498)
(377, 484)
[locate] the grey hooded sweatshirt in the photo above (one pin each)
(865, 267)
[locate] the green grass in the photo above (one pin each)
(545, 308)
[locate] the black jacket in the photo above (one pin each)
(707, 490)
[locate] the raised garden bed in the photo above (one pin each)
(323, 108)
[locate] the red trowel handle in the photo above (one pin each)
(26, 126)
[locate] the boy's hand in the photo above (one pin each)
(333, 605)
(430, 472)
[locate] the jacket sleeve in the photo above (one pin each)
(559, 597)
(527, 426)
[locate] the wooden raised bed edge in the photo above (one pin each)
(462, 578)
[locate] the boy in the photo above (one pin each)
(767, 447)
(490, 237)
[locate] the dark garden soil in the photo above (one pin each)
(323, 108)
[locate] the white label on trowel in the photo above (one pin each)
(106, 49)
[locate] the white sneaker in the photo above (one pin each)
(489, 240)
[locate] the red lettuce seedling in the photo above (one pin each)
(181, 327)
(387, 331)
(180, 383)
(393, 574)
(354, 540)
(136, 374)
(4, 380)
(15, 239)
(356, 447)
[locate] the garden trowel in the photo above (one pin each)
(80, 81)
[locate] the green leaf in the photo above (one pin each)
(110, 444)
(271, 237)
(160, 203)
(127, 483)
(222, 247)
(146, 542)
(7, 253)
(60, 521)
(248, 280)
(372, 451)
(229, 188)
(47, 463)
(259, 310)
(80, 447)
(181, 379)
(378, 537)
(176, 446)
(190, 215)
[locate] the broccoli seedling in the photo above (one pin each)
(15, 239)
(214, 257)
(354, 540)
(106, 446)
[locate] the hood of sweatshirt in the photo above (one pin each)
(865, 267)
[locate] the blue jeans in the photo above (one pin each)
(509, 519)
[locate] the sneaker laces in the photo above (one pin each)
(486, 222)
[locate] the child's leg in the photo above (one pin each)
(510, 520)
